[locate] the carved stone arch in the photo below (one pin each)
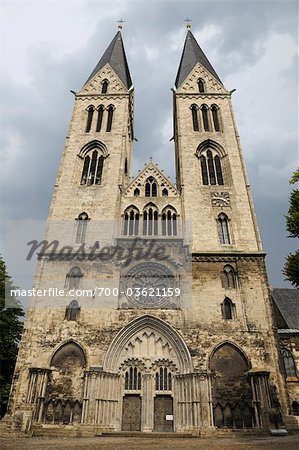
(131, 207)
(147, 325)
(233, 345)
(210, 144)
(150, 205)
(74, 344)
(162, 362)
(92, 145)
(132, 362)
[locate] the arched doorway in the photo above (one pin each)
(63, 399)
(149, 354)
(231, 390)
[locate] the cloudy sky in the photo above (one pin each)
(50, 47)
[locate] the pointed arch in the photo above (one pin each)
(232, 346)
(105, 84)
(112, 360)
(93, 153)
(110, 110)
(73, 278)
(90, 111)
(205, 117)
(131, 221)
(194, 112)
(201, 85)
(100, 110)
(68, 348)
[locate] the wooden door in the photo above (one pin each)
(163, 410)
(131, 417)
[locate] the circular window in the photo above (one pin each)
(149, 285)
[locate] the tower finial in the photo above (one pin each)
(188, 23)
(120, 22)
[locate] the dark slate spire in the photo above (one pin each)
(192, 54)
(116, 57)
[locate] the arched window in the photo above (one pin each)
(194, 117)
(204, 170)
(82, 222)
(211, 170)
(295, 408)
(132, 379)
(90, 111)
(228, 309)
(228, 277)
(150, 220)
(201, 85)
(169, 222)
(151, 187)
(105, 86)
(72, 311)
(73, 278)
(92, 168)
(205, 117)
(110, 117)
(165, 192)
(100, 117)
(215, 115)
(223, 229)
(131, 221)
(211, 167)
(163, 379)
(136, 192)
(289, 362)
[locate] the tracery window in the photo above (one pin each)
(211, 170)
(92, 168)
(90, 111)
(131, 221)
(110, 117)
(151, 187)
(228, 309)
(72, 311)
(82, 222)
(223, 229)
(201, 85)
(133, 379)
(289, 363)
(105, 84)
(150, 220)
(163, 379)
(169, 222)
(228, 277)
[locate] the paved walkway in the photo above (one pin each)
(121, 443)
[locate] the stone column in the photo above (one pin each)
(261, 397)
(147, 422)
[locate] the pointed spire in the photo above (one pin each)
(192, 54)
(115, 55)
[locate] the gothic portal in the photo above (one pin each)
(204, 356)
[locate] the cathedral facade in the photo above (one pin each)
(202, 357)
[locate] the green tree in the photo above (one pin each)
(291, 268)
(10, 333)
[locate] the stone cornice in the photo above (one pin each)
(225, 257)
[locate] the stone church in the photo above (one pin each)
(182, 341)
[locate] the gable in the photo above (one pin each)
(151, 171)
(94, 86)
(190, 86)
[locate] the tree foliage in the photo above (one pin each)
(291, 268)
(10, 333)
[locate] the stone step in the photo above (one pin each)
(151, 435)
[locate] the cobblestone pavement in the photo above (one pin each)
(119, 443)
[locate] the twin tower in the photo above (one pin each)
(182, 341)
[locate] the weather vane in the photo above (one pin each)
(188, 23)
(120, 24)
